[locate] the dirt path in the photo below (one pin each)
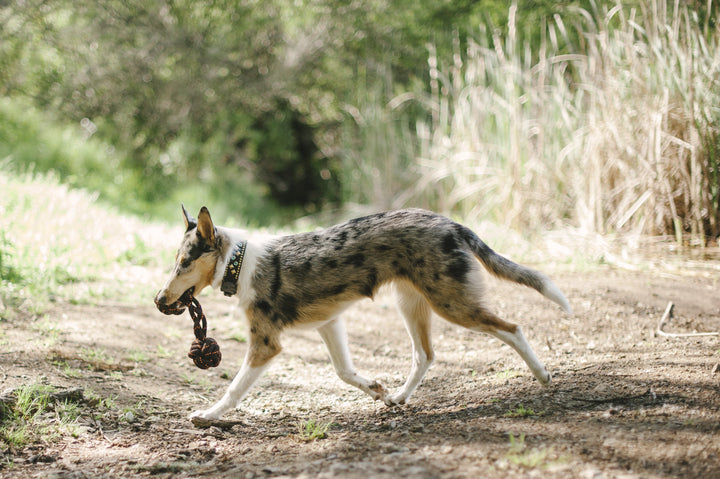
(625, 402)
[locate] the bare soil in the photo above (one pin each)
(625, 402)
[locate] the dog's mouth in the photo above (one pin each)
(178, 307)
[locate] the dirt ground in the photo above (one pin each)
(625, 401)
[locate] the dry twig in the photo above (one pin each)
(667, 315)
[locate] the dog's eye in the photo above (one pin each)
(185, 262)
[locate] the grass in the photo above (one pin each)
(312, 430)
(616, 133)
(508, 374)
(70, 372)
(521, 455)
(522, 411)
(238, 335)
(163, 353)
(59, 245)
(202, 382)
(34, 417)
(96, 356)
(49, 330)
(138, 356)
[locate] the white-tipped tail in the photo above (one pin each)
(553, 293)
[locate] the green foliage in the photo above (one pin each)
(162, 352)
(530, 458)
(23, 422)
(532, 114)
(312, 430)
(32, 142)
(96, 356)
(32, 400)
(224, 93)
(8, 269)
(522, 411)
(138, 356)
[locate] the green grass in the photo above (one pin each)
(238, 335)
(508, 374)
(71, 372)
(522, 411)
(163, 353)
(59, 245)
(32, 401)
(94, 356)
(521, 455)
(49, 330)
(312, 430)
(138, 356)
(26, 422)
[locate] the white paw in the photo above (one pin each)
(545, 378)
(395, 399)
(206, 414)
(378, 391)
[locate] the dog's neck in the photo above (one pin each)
(232, 269)
(254, 248)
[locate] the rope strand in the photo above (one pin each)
(204, 351)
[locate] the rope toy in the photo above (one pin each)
(205, 352)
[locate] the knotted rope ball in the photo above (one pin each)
(204, 351)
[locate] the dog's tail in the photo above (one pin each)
(506, 269)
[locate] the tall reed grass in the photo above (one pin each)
(616, 131)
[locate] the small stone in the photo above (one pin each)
(591, 474)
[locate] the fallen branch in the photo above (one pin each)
(667, 316)
(219, 423)
(619, 399)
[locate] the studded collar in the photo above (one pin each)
(232, 270)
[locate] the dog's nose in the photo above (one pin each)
(160, 299)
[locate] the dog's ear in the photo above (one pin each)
(206, 230)
(190, 222)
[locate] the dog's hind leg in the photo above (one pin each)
(416, 313)
(464, 309)
(335, 338)
(517, 341)
(484, 321)
(263, 347)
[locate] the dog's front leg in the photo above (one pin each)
(242, 383)
(261, 351)
(335, 338)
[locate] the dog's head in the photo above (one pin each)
(195, 261)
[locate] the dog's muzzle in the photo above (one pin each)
(176, 308)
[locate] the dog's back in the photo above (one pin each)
(355, 258)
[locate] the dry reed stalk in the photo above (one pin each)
(620, 135)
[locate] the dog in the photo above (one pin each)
(309, 279)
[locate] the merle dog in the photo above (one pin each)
(309, 279)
